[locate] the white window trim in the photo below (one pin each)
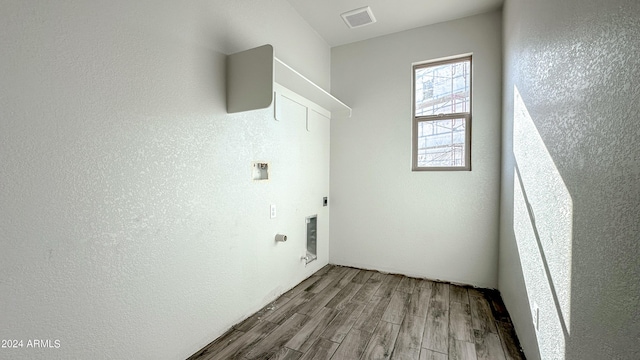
(417, 119)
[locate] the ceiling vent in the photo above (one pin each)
(358, 17)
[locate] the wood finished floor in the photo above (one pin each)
(346, 313)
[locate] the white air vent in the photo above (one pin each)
(358, 17)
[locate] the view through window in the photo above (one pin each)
(442, 115)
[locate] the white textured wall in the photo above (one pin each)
(440, 225)
(129, 226)
(570, 235)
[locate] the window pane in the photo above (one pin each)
(441, 143)
(443, 89)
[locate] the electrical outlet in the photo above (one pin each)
(273, 211)
(536, 317)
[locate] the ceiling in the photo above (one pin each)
(391, 15)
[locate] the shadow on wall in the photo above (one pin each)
(542, 225)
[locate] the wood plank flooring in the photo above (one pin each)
(343, 313)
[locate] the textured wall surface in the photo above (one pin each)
(441, 225)
(130, 227)
(570, 235)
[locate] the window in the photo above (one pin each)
(442, 115)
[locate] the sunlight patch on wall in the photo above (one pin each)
(543, 220)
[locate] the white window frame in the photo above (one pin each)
(422, 118)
